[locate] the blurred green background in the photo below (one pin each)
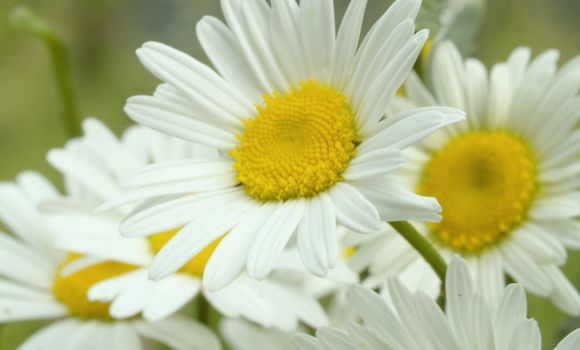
(103, 34)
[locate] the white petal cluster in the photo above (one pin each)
(415, 321)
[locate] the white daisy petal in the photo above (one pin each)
(396, 203)
(195, 236)
(54, 336)
(554, 208)
(374, 163)
(332, 338)
(411, 127)
(257, 20)
(162, 116)
(539, 244)
(228, 260)
(476, 94)
(347, 201)
(459, 290)
(380, 318)
(286, 38)
(364, 338)
(379, 33)
(170, 295)
(490, 276)
(23, 264)
(500, 87)
(183, 71)
(37, 188)
(224, 51)
(564, 295)
(123, 336)
(107, 290)
(447, 76)
(316, 25)
(417, 92)
(521, 266)
(171, 214)
(267, 246)
(511, 310)
(14, 290)
(80, 264)
(526, 336)
(178, 171)
(344, 51)
(13, 310)
(366, 73)
(375, 103)
(20, 216)
(130, 302)
(206, 184)
(261, 62)
(567, 232)
(571, 342)
(317, 240)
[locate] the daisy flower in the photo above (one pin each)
(87, 165)
(36, 283)
(296, 112)
(508, 178)
(416, 321)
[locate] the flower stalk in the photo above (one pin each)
(425, 248)
(24, 19)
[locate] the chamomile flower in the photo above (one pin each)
(37, 283)
(87, 160)
(508, 178)
(415, 321)
(296, 112)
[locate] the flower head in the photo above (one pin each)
(296, 111)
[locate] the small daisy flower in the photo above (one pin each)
(415, 321)
(37, 283)
(271, 302)
(296, 112)
(507, 178)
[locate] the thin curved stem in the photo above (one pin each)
(24, 19)
(425, 248)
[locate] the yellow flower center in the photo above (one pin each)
(348, 252)
(196, 265)
(71, 290)
(485, 182)
(298, 145)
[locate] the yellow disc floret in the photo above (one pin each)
(71, 290)
(298, 145)
(196, 265)
(485, 183)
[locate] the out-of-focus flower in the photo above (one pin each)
(39, 282)
(507, 178)
(415, 321)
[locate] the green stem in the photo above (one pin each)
(210, 317)
(203, 310)
(22, 18)
(425, 248)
